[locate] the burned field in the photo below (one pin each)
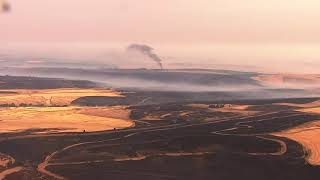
(23, 82)
(189, 150)
(194, 139)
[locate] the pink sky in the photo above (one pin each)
(170, 21)
(283, 29)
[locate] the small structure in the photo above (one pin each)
(217, 106)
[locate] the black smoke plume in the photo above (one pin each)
(147, 51)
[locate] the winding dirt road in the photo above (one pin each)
(7, 172)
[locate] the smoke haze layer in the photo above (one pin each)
(241, 85)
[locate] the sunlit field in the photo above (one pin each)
(63, 119)
(52, 97)
(49, 111)
(308, 135)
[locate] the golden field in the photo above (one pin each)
(308, 135)
(41, 111)
(307, 106)
(63, 119)
(311, 110)
(52, 97)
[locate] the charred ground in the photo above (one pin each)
(193, 139)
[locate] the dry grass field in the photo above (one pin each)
(313, 104)
(51, 97)
(308, 135)
(312, 110)
(63, 119)
(45, 118)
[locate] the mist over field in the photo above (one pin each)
(193, 70)
(233, 84)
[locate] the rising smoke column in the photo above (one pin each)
(147, 51)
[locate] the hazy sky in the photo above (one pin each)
(245, 32)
